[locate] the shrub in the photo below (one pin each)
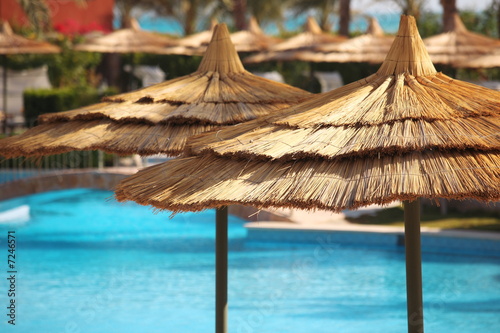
(40, 101)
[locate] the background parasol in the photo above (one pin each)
(194, 44)
(403, 133)
(458, 44)
(488, 60)
(128, 40)
(159, 119)
(370, 47)
(312, 38)
(11, 43)
(252, 39)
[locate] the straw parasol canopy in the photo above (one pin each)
(370, 47)
(458, 44)
(129, 40)
(11, 43)
(200, 38)
(312, 38)
(402, 133)
(159, 118)
(251, 40)
(489, 60)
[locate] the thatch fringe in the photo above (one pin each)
(11, 43)
(197, 183)
(112, 137)
(457, 44)
(281, 143)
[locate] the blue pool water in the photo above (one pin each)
(88, 264)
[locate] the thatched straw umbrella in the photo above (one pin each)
(457, 44)
(402, 133)
(252, 39)
(10, 44)
(195, 44)
(489, 60)
(159, 119)
(131, 39)
(370, 47)
(289, 50)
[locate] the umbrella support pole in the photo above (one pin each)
(221, 218)
(413, 266)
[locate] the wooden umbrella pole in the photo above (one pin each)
(221, 218)
(4, 88)
(413, 267)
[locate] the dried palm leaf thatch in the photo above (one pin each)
(195, 44)
(196, 183)
(294, 47)
(129, 40)
(252, 39)
(458, 44)
(110, 136)
(311, 38)
(489, 60)
(402, 133)
(11, 43)
(159, 118)
(371, 47)
(199, 39)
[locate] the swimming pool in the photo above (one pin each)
(88, 264)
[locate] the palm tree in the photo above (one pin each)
(449, 10)
(262, 10)
(345, 17)
(239, 13)
(411, 7)
(38, 13)
(267, 11)
(323, 7)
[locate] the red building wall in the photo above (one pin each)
(94, 13)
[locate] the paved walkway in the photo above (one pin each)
(328, 221)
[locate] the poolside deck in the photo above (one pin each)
(322, 227)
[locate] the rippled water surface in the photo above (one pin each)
(88, 264)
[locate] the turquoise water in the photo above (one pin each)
(88, 264)
(148, 21)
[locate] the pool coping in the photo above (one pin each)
(433, 240)
(437, 232)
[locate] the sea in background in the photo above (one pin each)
(151, 22)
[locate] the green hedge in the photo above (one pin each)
(40, 101)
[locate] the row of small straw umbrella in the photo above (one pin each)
(402, 133)
(457, 47)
